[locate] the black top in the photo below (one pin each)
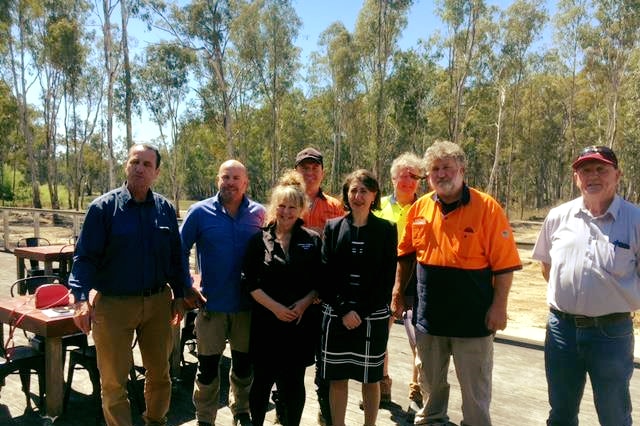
(377, 258)
(286, 281)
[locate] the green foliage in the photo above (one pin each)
(224, 83)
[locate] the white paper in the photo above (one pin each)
(63, 311)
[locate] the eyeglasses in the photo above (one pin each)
(601, 170)
(410, 176)
(605, 151)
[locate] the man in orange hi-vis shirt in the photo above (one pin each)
(321, 206)
(466, 255)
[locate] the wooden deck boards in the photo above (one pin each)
(519, 389)
(519, 394)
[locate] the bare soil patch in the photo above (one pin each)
(528, 298)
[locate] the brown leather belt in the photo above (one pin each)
(582, 321)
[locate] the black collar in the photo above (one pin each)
(464, 200)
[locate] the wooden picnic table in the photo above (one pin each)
(22, 309)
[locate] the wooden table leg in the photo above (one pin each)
(20, 267)
(53, 376)
(48, 267)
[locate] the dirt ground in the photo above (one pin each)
(528, 308)
(527, 301)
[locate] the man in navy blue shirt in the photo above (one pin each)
(128, 251)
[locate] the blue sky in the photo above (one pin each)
(317, 15)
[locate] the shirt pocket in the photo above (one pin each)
(619, 262)
(470, 247)
(419, 233)
(624, 262)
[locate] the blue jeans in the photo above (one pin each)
(604, 352)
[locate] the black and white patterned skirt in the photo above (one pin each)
(354, 354)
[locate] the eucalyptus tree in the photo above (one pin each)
(61, 62)
(111, 62)
(8, 132)
(412, 95)
(520, 26)
(84, 124)
(339, 61)
(265, 39)
(206, 26)
(17, 32)
(125, 6)
(609, 41)
(120, 91)
(462, 42)
(569, 21)
(378, 29)
(629, 151)
(163, 82)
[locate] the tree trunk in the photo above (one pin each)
(111, 76)
(492, 186)
(128, 89)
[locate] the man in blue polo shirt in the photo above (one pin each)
(221, 227)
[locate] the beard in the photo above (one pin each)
(446, 187)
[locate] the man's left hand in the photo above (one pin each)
(193, 298)
(177, 310)
(496, 318)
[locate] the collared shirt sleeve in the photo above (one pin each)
(188, 238)
(502, 252)
(179, 277)
(405, 243)
(88, 252)
(542, 247)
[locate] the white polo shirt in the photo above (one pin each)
(594, 260)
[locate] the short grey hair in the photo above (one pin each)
(407, 160)
(441, 150)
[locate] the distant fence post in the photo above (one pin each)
(76, 227)
(5, 226)
(36, 224)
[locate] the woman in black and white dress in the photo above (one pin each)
(359, 259)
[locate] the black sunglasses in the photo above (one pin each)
(605, 151)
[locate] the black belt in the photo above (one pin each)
(155, 290)
(582, 321)
(144, 292)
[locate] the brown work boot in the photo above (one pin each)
(385, 389)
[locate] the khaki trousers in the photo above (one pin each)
(473, 360)
(213, 329)
(115, 320)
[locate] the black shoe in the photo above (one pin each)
(204, 424)
(242, 419)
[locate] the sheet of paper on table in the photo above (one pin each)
(61, 311)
